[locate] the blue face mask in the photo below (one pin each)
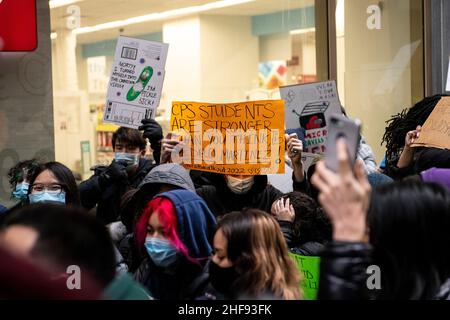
(162, 252)
(21, 191)
(48, 197)
(131, 159)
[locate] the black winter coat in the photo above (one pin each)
(108, 198)
(221, 200)
(183, 281)
(343, 268)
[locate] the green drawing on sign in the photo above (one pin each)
(309, 268)
(140, 84)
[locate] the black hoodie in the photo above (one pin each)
(108, 199)
(221, 200)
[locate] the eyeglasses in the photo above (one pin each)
(54, 188)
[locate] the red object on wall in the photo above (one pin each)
(18, 29)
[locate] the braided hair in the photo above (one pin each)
(407, 120)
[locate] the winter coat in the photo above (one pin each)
(108, 198)
(221, 200)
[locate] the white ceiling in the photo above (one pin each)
(94, 12)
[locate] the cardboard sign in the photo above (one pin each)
(237, 138)
(436, 130)
(309, 268)
(136, 81)
(309, 106)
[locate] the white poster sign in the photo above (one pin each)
(308, 107)
(136, 81)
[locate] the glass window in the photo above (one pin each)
(219, 51)
(380, 61)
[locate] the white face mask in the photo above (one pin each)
(238, 185)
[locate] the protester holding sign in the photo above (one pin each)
(106, 187)
(399, 127)
(234, 151)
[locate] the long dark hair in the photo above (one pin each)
(65, 178)
(259, 253)
(409, 225)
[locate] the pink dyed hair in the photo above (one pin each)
(167, 217)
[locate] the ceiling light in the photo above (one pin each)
(60, 3)
(302, 31)
(161, 15)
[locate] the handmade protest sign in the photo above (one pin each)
(136, 81)
(236, 138)
(309, 106)
(309, 268)
(436, 130)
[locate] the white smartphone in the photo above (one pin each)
(342, 127)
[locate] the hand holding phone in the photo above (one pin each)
(349, 130)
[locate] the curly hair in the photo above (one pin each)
(407, 120)
(311, 224)
(23, 170)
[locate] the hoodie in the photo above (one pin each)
(221, 200)
(196, 223)
(165, 174)
(184, 279)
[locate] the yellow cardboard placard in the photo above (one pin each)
(244, 138)
(436, 130)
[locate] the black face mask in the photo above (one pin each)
(222, 279)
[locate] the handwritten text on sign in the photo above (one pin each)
(236, 138)
(436, 130)
(309, 268)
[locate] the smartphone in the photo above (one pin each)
(341, 127)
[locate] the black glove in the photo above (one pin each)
(153, 132)
(114, 173)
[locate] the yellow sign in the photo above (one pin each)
(235, 138)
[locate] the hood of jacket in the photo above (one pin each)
(169, 173)
(196, 223)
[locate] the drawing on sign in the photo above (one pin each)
(313, 115)
(140, 84)
(308, 108)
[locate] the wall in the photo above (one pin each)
(26, 103)
(229, 58)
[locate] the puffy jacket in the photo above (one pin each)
(343, 267)
(221, 200)
(343, 276)
(108, 199)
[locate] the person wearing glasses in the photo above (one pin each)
(53, 182)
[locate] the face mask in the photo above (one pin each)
(48, 197)
(162, 252)
(240, 186)
(131, 159)
(21, 191)
(222, 279)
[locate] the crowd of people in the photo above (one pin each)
(150, 229)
